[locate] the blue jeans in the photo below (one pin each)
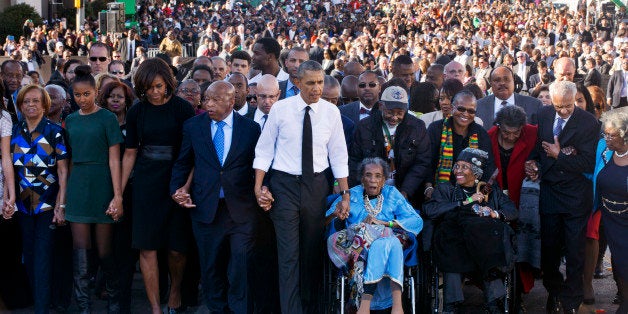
(37, 251)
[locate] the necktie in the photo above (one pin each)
(307, 158)
(559, 126)
(219, 141)
(364, 111)
(295, 90)
(131, 50)
(504, 104)
(264, 118)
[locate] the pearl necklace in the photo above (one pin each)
(622, 154)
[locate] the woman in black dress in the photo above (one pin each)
(611, 194)
(153, 138)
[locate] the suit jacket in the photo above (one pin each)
(352, 111)
(536, 79)
(613, 91)
(283, 85)
(236, 176)
(316, 54)
(593, 78)
(486, 109)
(564, 187)
(123, 48)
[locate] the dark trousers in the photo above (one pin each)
(623, 102)
(37, 250)
(125, 256)
(265, 276)
(298, 214)
(62, 268)
(563, 233)
(225, 249)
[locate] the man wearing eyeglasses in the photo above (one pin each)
(368, 93)
(116, 67)
(565, 151)
(99, 57)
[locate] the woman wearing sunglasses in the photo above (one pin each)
(451, 135)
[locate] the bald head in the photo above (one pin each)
(349, 89)
(564, 69)
(454, 70)
(267, 92)
(202, 60)
(353, 68)
(219, 100)
(219, 67)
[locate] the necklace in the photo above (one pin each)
(605, 203)
(378, 207)
(622, 154)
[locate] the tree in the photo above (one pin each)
(14, 18)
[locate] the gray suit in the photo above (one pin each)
(613, 90)
(352, 111)
(486, 109)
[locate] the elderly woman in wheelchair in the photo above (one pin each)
(379, 235)
(471, 234)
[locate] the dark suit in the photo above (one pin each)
(593, 78)
(613, 91)
(536, 79)
(283, 85)
(226, 224)
(565, 201)
(486, 109)
(316, 54)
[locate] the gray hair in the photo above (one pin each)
(562, 88)
(463, 95)
(58, 88)
(373, 161)
(309, 65)
(617, 119)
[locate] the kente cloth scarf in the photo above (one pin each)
(446, 161)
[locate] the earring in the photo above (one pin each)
(476, 181)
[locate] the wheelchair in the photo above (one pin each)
(336, 284)
(429, 278)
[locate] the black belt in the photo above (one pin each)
(157, 152)
(296, 176)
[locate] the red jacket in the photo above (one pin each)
(516, 172)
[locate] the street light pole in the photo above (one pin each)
(80, 14)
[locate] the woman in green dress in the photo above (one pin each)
(94, 197)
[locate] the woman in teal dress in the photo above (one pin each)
(94, 197)
(385, 226)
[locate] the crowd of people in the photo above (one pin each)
(433, 124)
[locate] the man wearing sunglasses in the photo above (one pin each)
(368, 93)
(99, 57)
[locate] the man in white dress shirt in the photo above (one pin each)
(298, 160)
(267, 93)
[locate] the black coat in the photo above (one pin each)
(411, 151)
(464, 242)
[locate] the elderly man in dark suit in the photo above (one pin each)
(220, 146)
(503, 84)
(617, 90)
(565, 151)
(368, 92)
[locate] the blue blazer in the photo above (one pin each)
(236, 176)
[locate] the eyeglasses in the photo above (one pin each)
(94, 59)
(463, 167)
(117, 72)
(609, 137)
(371, 85)
(116, 96)
(189, 91)
(563, 107)
(251, 97)
(463, 110)
(262, 96)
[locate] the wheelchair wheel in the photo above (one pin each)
(427, 283)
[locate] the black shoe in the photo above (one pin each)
(81, 280)
(553, 305)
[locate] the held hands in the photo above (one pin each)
(183, 198)
(532, 170)
(59, 215)
(552, 150)
(264, 198)
(342, 210)
(115, 209)
(374, 221)
(8, 209)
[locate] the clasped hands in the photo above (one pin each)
(264, 198)
(115, 209)
(182, 197)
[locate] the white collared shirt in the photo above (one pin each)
(556, 116)
(244, 110)
(281, 76)
(228, 132)
(281, 141)
(498, 103)
(364, 115)
(259, 118)
(624, 87)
